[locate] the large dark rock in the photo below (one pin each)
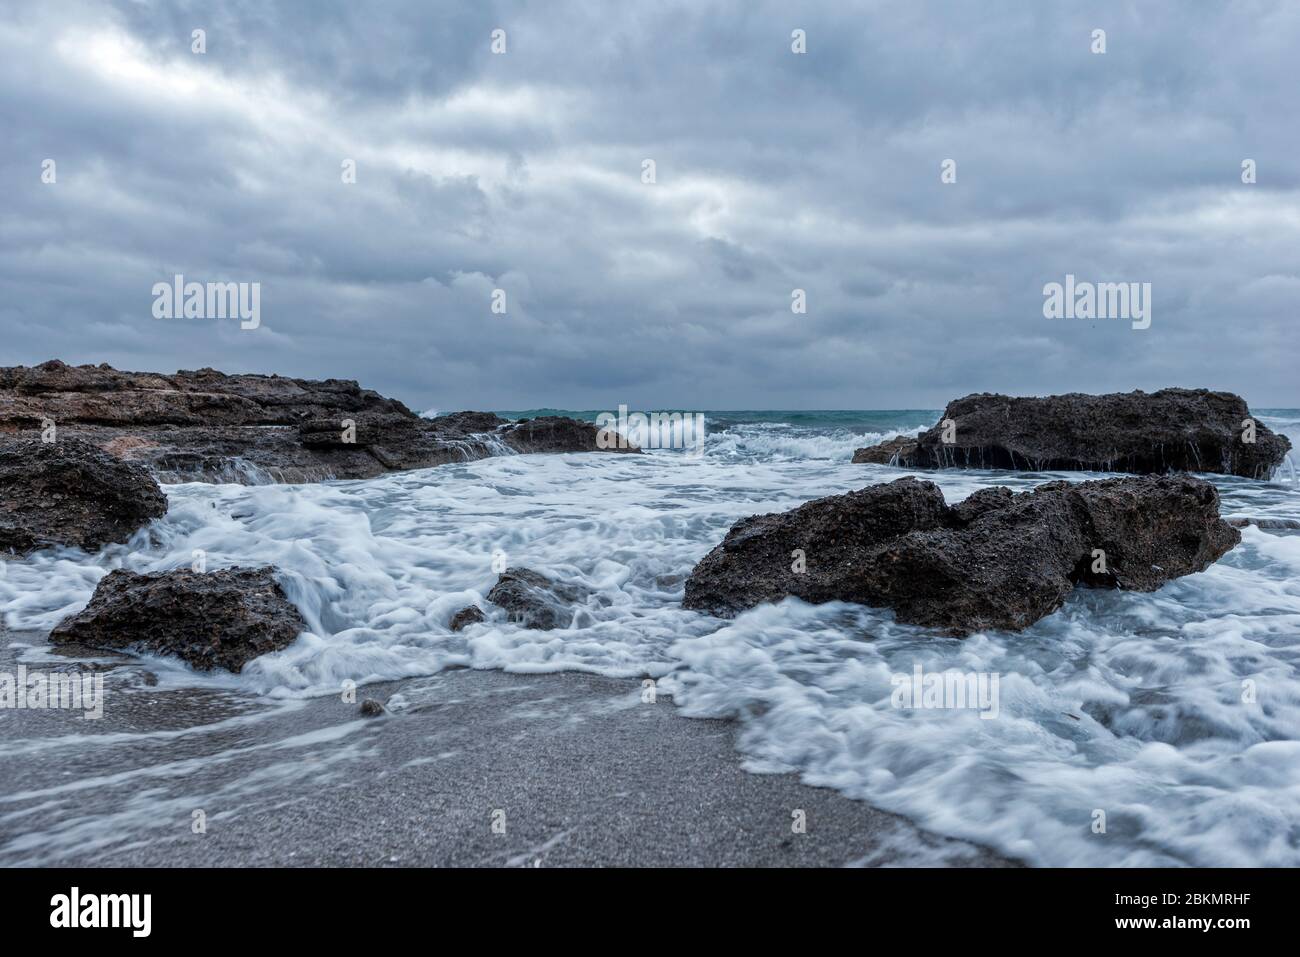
(1151, 530)
(1006, 569)
(1191, 430)
(756, 562)
(71, 493)
(211, 427)
(997, 561)
(217, 619)
(533, 600)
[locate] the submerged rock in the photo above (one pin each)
(535, 601)
(469, 615)
(217, 619)
(71, 493)
(1191, 430)
(1275, 524)
(209, 426)
(370, 708)
(997, 561)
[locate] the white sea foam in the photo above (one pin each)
(782, 443)
(1120, 702)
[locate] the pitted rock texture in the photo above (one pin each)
(69, 492)
(999, 560)
(1173, 430)
(217, 619)
(207, 426)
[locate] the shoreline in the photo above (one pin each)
(579, 770)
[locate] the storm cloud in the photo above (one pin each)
(774, 171)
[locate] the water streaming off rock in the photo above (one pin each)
(1122, 702)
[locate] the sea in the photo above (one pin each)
(1175, 714)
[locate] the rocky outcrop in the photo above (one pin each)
(216, 619)
(999, 560)
(102, 395)
(208, 426)
(69, 492)
(1189, 430)
(535, 601)
(767, 557)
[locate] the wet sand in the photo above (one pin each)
(466, 768)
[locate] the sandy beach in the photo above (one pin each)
(578, 768)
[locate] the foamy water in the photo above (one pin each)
(1125, 703)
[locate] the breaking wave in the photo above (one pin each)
(1124, 703)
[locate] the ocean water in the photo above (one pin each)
(1123, 703)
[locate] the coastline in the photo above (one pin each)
(541, 571)
(584, 771)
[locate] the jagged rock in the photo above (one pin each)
(757, 560)
(216, 619)
(69, 492)
(535, 601)
(1151, 530)
(1193, 430)
(208, 426)
(469, 615)
(1006, 569)
(997, 561)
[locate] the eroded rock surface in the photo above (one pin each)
(1190, 430)
(70, 492)
(205, 425)
(999, 560)
(216, 619)
(759, 559)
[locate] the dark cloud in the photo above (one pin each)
(775, 171)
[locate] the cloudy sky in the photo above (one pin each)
(774, 171)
